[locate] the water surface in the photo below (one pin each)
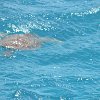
(65, 71)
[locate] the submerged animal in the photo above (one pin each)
(24, 41)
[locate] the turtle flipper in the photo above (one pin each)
(8, 53)
(3, 34)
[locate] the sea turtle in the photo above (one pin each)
(24, 41)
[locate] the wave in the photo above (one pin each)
(88, 12)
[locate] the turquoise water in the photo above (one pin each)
(55, 71)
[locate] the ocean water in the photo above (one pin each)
(56, 71)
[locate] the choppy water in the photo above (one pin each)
(66, 71)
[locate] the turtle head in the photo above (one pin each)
(46, 39)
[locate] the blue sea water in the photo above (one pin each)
(56, 71)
